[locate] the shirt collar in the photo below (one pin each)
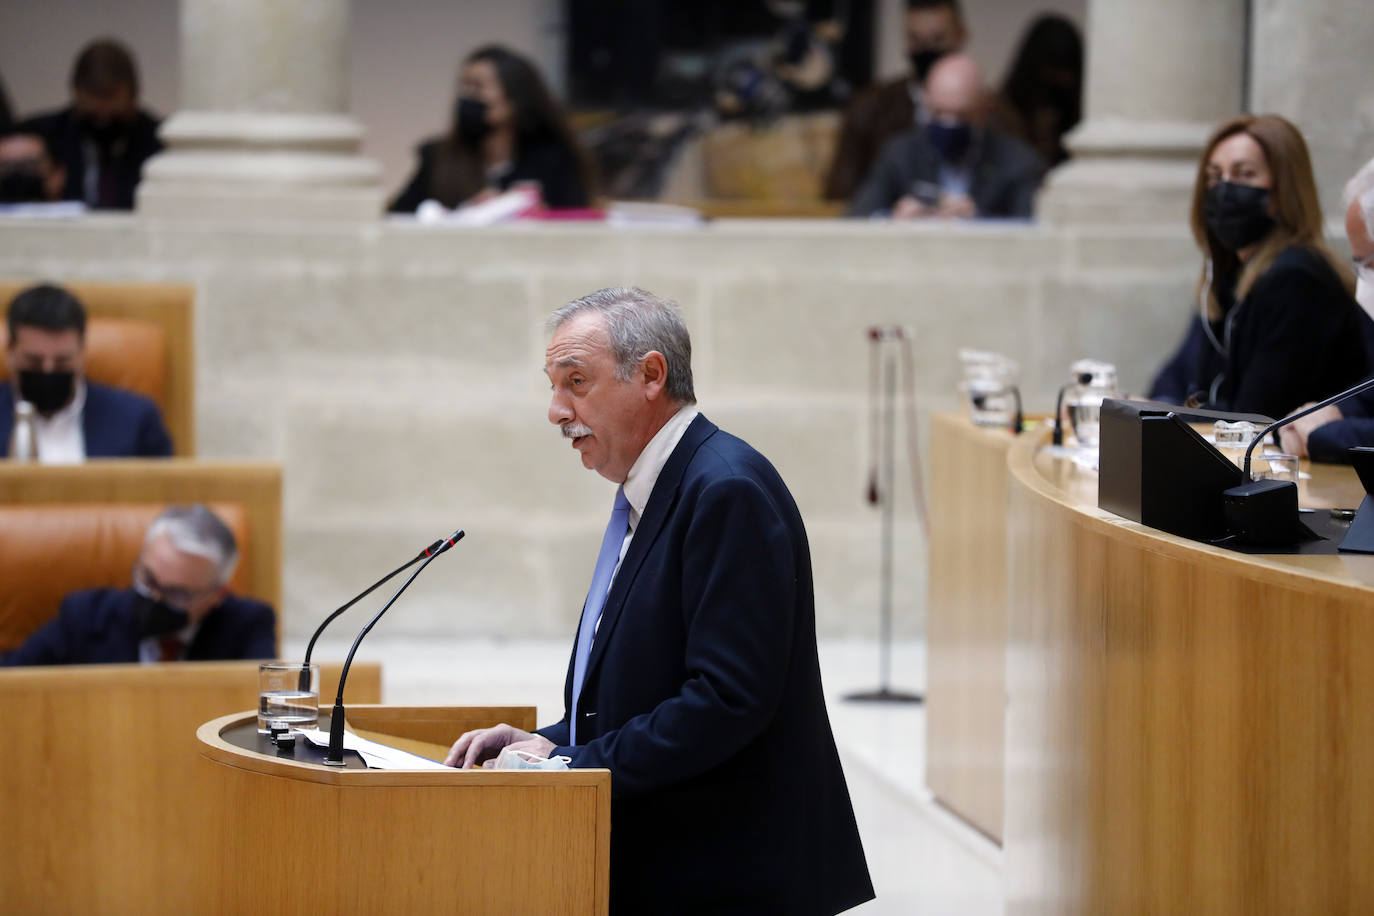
(639, 484)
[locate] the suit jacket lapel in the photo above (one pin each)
(661, 501)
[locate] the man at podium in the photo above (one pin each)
(694, 677)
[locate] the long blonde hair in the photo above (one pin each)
(1293, 204)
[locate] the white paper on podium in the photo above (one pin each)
(376, 756)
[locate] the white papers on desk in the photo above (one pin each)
(376, 756)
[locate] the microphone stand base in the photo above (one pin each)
(884, 695)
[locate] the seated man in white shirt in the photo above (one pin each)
(73, 419)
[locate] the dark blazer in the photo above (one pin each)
(556, 170)
(703, 698)
(65, 138)
(1005, 174)
(1298, 337)
(116, 423)
(99, 625)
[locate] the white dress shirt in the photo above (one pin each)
(639, 484)
(59, 438)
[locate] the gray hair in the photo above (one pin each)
(637, 322)
(198, 531)
(1361, 188)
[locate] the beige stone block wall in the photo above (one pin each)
(395, 371)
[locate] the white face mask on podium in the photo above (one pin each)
(1364, 293)
(524, 760)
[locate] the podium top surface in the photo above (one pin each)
(233, 740)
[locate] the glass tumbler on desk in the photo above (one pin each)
(288, 693)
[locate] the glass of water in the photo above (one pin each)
(288, 693)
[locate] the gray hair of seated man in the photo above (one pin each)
(637, 322)
(198, 531)
(1361, 188)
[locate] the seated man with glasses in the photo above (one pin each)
(178, 606)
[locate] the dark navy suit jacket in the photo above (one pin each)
(99, 626)
(116, 423)
(703, 698)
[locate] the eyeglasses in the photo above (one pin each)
(146, 584)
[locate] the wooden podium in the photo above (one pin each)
(289, 836)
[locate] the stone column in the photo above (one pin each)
(1310, 62)
(263, 130)
(1160, 75)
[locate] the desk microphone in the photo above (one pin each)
(336, 718)
(434, 549)
(1266, 511)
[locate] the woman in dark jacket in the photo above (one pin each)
(506, 129)
(1278, 326)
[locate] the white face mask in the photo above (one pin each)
(1364, 293)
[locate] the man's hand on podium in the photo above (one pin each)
(483, 744)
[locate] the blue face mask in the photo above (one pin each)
(951, 139)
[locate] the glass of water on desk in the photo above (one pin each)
(288, 693)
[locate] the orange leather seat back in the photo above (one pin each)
(49, 551)
(123, 352)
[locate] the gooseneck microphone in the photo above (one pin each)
(434, 549)
(1334, 399)
(1266, 511)
(336, 718)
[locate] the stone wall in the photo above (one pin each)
(395, 371)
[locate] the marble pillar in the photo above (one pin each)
(1160, 76)
(263, 130)
(1310, 62)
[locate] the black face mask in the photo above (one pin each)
(1237, 214)
(155, 617)
(951, 141)
(471, 117)
(923, 60)
(22, 186)
(48, 392)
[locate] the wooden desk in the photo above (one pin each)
(966, 619)
(101, 796)
(1189, 729)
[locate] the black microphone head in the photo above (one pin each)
(440, 546)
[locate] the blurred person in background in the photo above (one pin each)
(1324, 435)
(1042, 96)
(506, 129)
(102, 139)
(954, 166)
(28, 171)
(177, 608)
(1278, 326)
(75, 419)
(934, 28)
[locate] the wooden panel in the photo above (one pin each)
(169, 306)
(256, 486)
(966, 619)
(100, 792)
(1189, 729)
(326, 840)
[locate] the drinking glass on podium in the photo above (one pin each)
(288, 693)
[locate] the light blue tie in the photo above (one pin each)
(611, 542)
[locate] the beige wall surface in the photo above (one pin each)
(395, 371)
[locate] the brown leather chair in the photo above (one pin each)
(139, 336)
(49, 551)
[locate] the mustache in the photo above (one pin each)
(575, 431)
